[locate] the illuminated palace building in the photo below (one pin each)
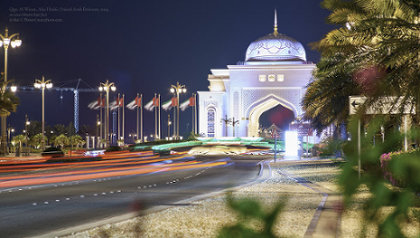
(272, 79)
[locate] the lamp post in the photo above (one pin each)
(27, 123)
(169, 126)
(177, 89)
(98, 128)
(9, 133)
(106, 87)
(42, 84)
(6, 41)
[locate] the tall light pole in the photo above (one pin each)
(6, 41)
(42, 84)
(107, 86)
(177, 89)
(169, 126)
(27, 123)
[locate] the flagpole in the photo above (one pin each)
(102, 123)
(192, 117)
(159, 116)
(123, 118)
(118, 118)
(141, 118)
(154, 98)
(195, 113)
(137, 116)
(174, 118)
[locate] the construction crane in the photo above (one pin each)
(76, 90)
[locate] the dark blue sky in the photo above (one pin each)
(142, 46)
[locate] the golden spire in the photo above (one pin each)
(275, 23)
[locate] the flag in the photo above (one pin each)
(167, 105)
(121, 102)
(192, 101)
(93, 105)
(173, 102)
(138, 102)
(135, 103)
(152, 104)
(184, 105)
(113, 105)
(101, 103)
(156, 101)
(189, 102)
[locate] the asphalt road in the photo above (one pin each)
(39, 209)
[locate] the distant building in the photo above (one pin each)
(275, 72)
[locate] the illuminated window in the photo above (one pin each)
(271, 78)
(262, 77)
(280, 77)
(210, 122)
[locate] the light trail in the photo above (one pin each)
(108, 173)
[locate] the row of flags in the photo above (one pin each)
(137, 102)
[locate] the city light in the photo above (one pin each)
(13, 88)
(291, 143)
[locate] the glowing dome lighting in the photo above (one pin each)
(275, 47)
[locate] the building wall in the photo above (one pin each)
(245, 87)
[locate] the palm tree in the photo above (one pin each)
(37, 140)
(326, 98)
(19, 140)
(61, 140)
(8, 104)
(378, 35)
(76, 140)
(374, 52)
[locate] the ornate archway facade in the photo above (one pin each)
(274, 72)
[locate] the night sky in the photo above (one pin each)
(142, 46)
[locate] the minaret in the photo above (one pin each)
(275, 23)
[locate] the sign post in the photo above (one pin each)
(384, 105)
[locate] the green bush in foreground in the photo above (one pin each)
(250, 210)
(383, 194)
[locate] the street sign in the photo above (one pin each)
(384, 105)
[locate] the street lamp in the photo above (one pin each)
(42, 84)
(6, 41)
(177, 89)
(107, 86)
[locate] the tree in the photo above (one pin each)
(374, 52)
(76, 140)
(36, 140)
(61, 141)
(8, 104)
(326, 98)
(19, 140)
(34, 128)
(383, 41)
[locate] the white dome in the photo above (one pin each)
(275, 47)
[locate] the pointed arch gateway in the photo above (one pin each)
(256, 109)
